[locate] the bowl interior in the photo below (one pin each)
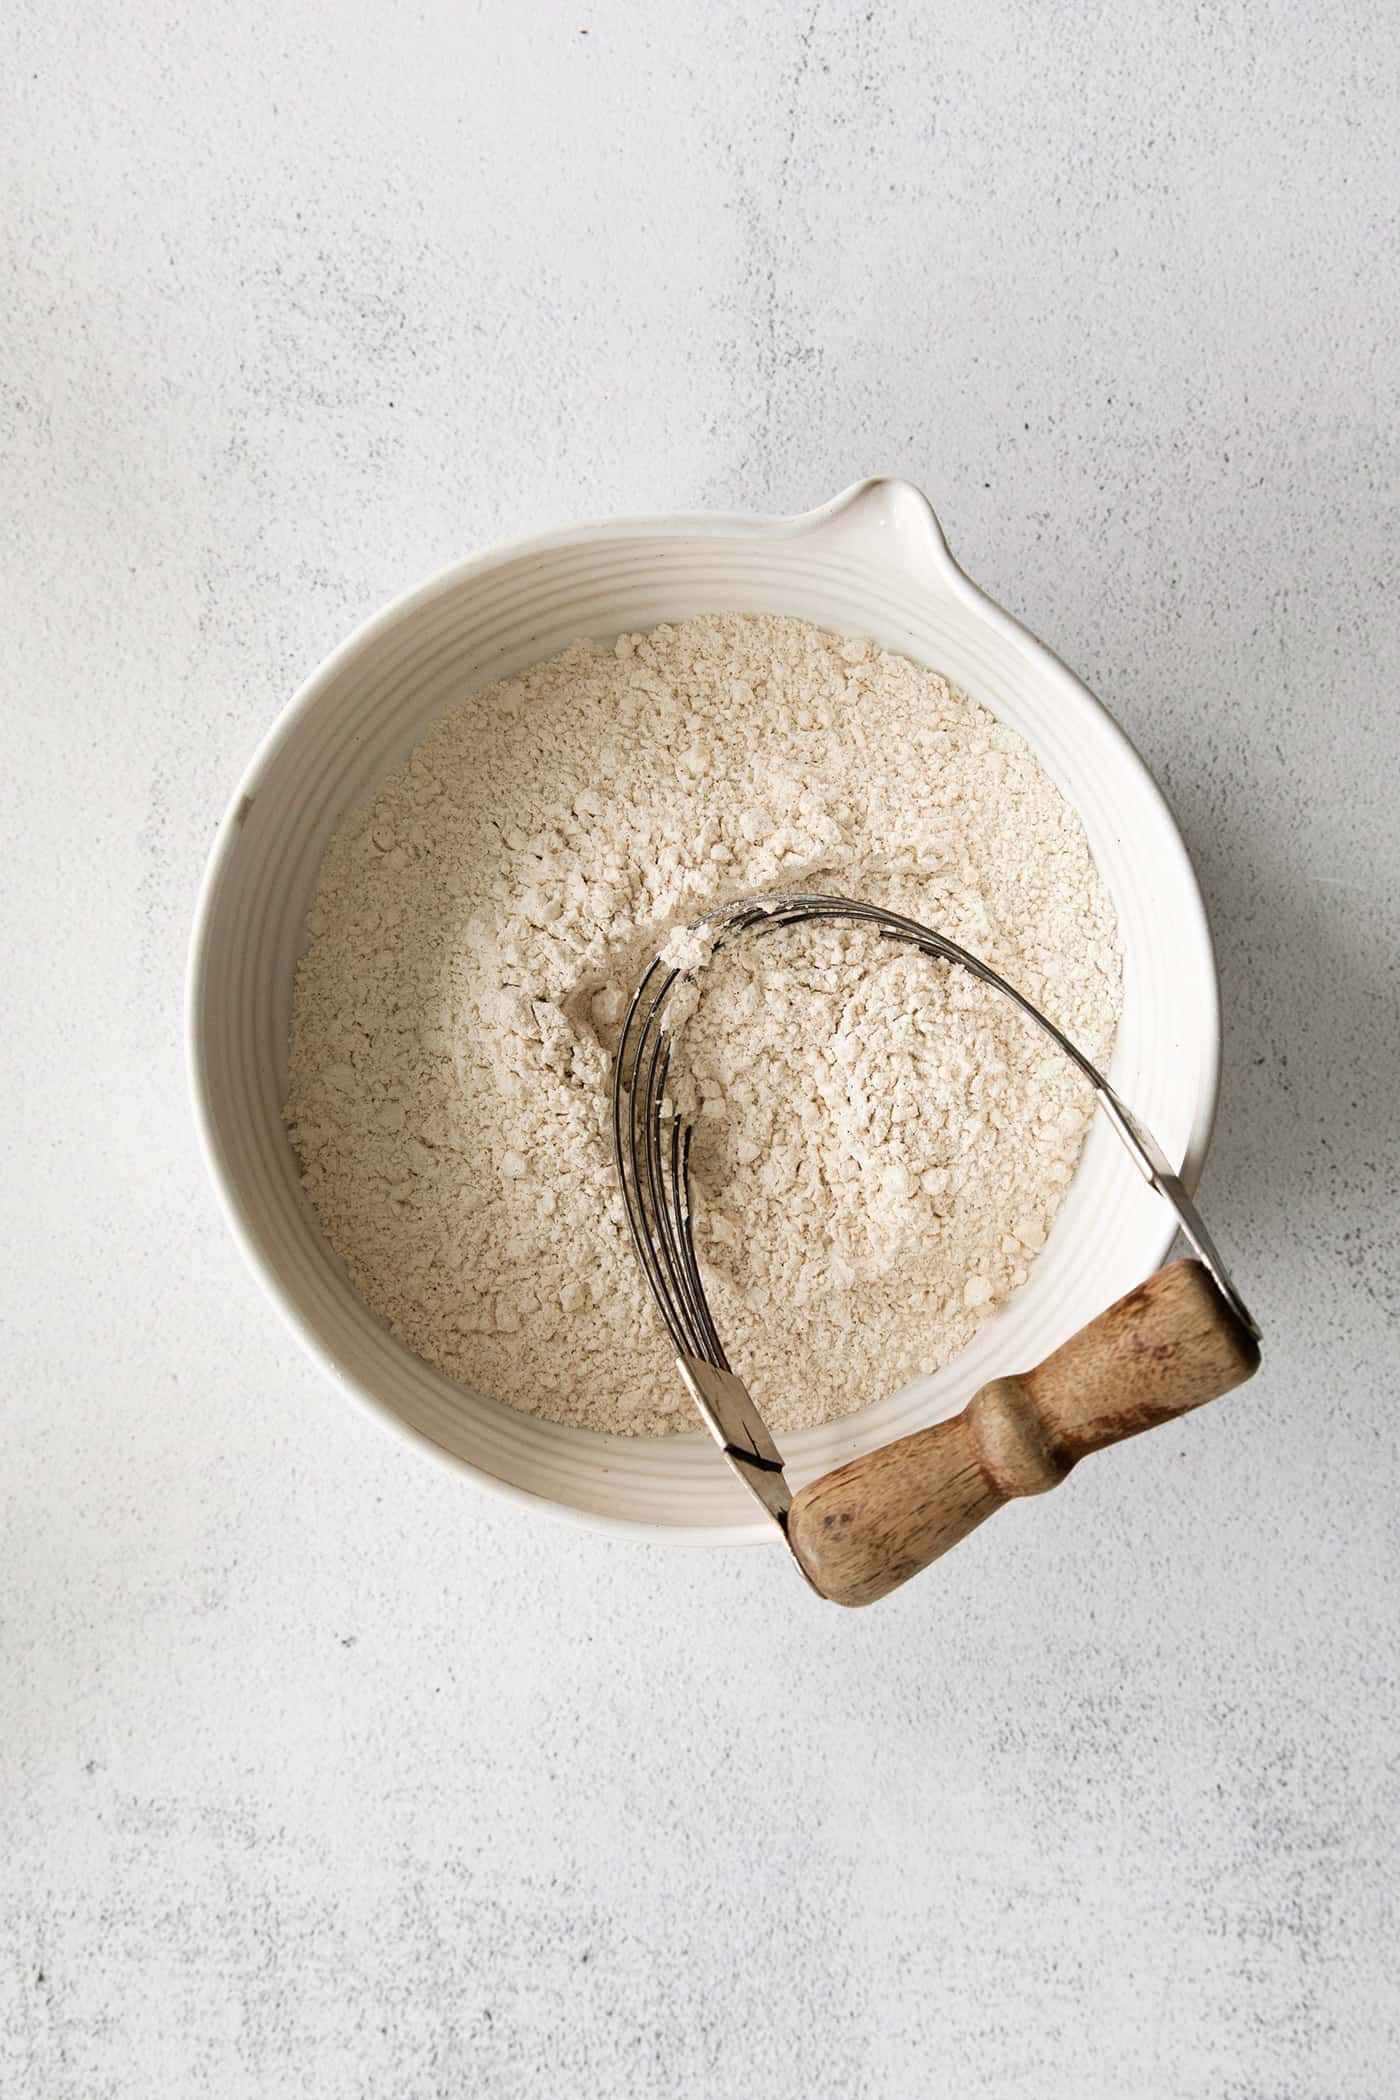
(869, 567)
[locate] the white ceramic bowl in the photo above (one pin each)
(873, 562)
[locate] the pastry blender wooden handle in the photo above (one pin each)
(1168, 1346)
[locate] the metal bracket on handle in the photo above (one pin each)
(738, 1428)
(1151, 1161)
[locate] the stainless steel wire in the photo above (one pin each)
(651, 1143)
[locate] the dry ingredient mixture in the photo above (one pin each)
(881, 1141)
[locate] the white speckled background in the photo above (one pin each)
(323, 1774)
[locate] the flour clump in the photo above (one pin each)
(881, 1141)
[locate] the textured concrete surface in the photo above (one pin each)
(323, 1774)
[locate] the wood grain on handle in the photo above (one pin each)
(1168, 1346)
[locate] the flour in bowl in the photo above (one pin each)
(881, 1141)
